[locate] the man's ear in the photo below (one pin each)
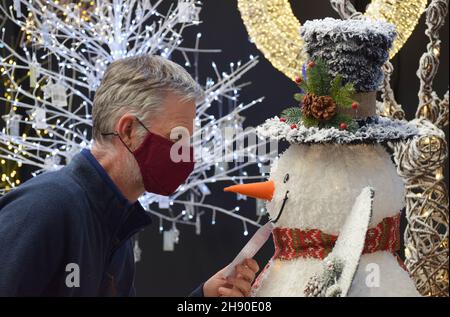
(124, 128)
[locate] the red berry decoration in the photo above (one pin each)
(355, 105)
(298, 79)
(282, 119)
(311, 64)
(343, 126)
(293, 126)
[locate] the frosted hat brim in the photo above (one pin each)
(379, 130)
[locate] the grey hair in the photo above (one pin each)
(138, 85)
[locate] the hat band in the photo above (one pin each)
(367, 106)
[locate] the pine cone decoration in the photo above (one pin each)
(308, 101)
(322, 108)
(314, 287)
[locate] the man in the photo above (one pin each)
(69, 232)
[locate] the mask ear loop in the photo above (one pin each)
(140, 122)
(117, 135)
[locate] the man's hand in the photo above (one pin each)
(238, 286)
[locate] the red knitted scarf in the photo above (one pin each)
(291, 243)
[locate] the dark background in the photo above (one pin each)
(196, 258)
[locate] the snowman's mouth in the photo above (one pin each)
(282, 207)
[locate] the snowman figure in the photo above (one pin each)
(337, 148)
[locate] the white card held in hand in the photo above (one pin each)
(251, 248)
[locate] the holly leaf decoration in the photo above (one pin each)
(342, 95)
(292, 115)
(341, 118)
(336, 84)
(304, 86)
(310, 122)
(298, 97)
(318, 78)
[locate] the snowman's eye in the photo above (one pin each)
(286, 178)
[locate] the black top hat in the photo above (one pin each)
(355, 50)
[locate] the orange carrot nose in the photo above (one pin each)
(262, 190)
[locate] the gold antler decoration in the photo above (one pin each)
(274, 28)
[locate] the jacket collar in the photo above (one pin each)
(122, 217)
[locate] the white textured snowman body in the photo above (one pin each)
(323, 183)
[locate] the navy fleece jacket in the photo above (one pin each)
(72, 221)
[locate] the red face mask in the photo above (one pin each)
(160, 174)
